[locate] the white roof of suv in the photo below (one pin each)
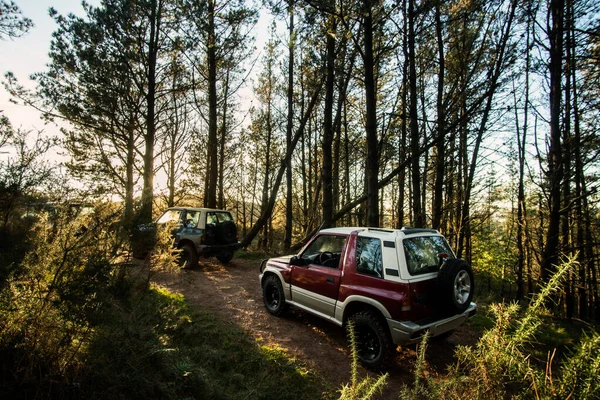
(382, 231)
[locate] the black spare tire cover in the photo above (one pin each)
(227, 232)
(455, 286)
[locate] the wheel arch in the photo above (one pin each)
(182, 242)
(355, 304)
(267, 272)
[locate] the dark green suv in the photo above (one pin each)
(197, 232)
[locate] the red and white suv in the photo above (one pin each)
(394, 284)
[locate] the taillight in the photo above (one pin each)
(406, 303)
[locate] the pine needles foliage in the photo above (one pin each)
(79, 320)
(360, 389)
(500, 366)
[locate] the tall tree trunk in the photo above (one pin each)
(287, 240)
(419, 217)
(372, 173)
(327, 143)
(267, 177)
(494, 76)
(223, 142)
(400, 222)
(148, 188)
(566, 184)
(555, 168)
(210, 196)
(440, 160)
(580, 184)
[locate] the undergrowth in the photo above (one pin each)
(360, 389)
(500, 366)
(75, 324)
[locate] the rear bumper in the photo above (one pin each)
(208, 250)
(409, 332)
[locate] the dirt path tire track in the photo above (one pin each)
(233, 293)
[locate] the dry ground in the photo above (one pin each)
(233, 293)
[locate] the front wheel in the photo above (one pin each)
(373, 341)
(188, 258)
(273, 295)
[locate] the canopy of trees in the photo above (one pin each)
(477, 118)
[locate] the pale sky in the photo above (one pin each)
(29, 54)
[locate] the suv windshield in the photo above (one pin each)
(330, 243)
(169, 216)
(423, 253)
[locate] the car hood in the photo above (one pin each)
(282, 259)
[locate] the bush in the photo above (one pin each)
(50, 308)
(500, 366)
(76, 325)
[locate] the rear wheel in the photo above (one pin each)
(273, 295)
(188, 258)
(225, 257)
(373, 341)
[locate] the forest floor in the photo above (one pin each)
(233, 293)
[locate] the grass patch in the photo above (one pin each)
(160, 348)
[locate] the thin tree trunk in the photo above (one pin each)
(222, 143)
(287, 240)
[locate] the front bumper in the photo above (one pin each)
(410, 332)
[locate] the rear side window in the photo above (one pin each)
(217, 217)
(368, 257)
(191, 218)
(423, 253)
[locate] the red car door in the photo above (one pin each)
(316, 283)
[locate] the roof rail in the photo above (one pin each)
(414, 231)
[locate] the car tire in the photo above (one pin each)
(455, 286)
(273, 295)
(227, 232)
(373, 341)
(188, 258)
(225, 257)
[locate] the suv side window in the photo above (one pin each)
(333, 244)
(214, 218)
(423, 253)
(223, 217)
(191, 219)
(368, 257)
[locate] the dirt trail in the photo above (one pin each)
(233, 293)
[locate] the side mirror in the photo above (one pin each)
(295, 260)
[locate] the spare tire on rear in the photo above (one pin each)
(455, 286)
(226, 232)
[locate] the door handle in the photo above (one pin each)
(329, 279)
